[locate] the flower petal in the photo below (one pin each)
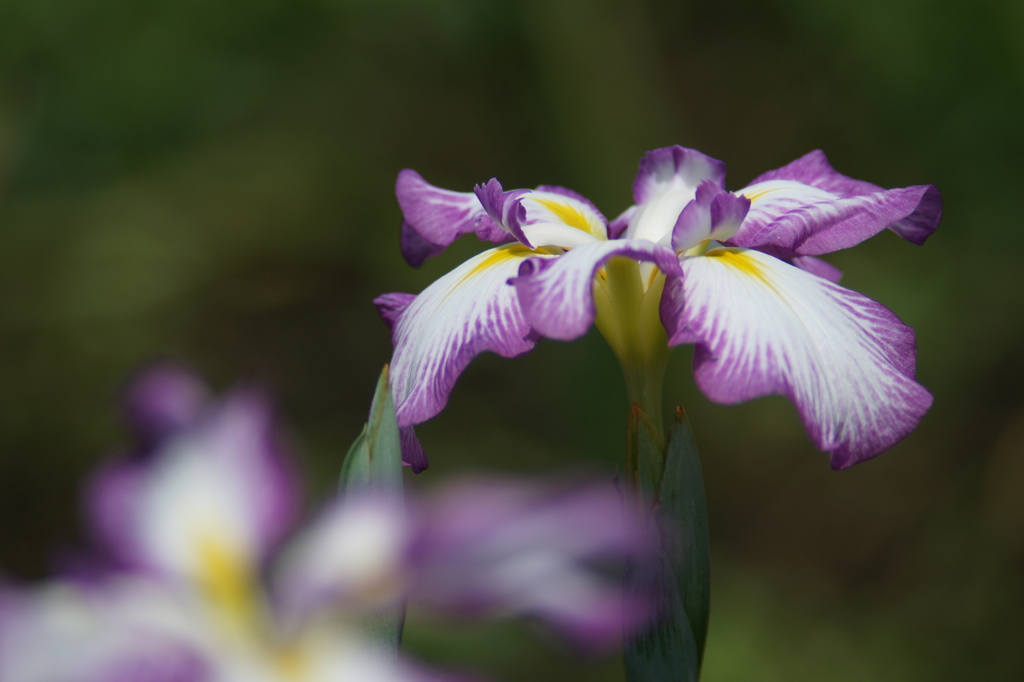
(764, 327)
(666, 182)
(819, 267)
(435, 217)
(413, 454)
(117, 630)
(162, 399)
(415, 249)
(468, 311)
(486, 548)
(503, 208)
(561, 219)
(216, 492)
(551, 216)
(811, 221)
(620, 224)
(813, 170)
(353, 555)
(557, 295)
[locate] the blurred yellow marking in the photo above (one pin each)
(292, 663)
(569, 215)
(227, 582)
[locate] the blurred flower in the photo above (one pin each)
(194, 522)
(735, 273)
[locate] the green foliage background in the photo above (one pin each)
(212, 180)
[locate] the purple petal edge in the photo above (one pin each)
(435, 217)
(814, 169)
(819, 267)
(391, 306)
(503, 207)
(162, 398)
(110, 501)
(621, 223)
(415, 249)
(413, 454)
(660, 164)
(565, 192)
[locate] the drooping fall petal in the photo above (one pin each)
(764, 327)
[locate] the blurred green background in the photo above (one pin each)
(213, 181)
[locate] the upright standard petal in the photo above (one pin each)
(557, 295)
(713, 214)
(468, 311)
(799, 187)
(435, 217)
(666, 182)
(765, 327)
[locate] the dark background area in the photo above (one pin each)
(213, 181)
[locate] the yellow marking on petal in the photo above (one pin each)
(227, 582)
(500, 255)
(654, 275)
(758, 195)
(292, 663)
(740, 260)
(568, 214)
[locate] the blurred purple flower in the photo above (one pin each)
(204, 595)
(735, 273)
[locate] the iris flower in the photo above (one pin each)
(203, 581)
(735, 273)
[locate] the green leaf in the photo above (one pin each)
(374, 463)
(375, 459)
(668, 481)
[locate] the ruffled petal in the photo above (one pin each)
(468, 311)
(811, 221)
(435, 217)
(764, 327)
(713, 214)
(813, 170)
(666, 182)
(503, 208)
(557, 295)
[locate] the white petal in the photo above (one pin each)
(470, 310)
(560, 220)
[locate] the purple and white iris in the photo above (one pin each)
(203, 583)
(735, 273)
